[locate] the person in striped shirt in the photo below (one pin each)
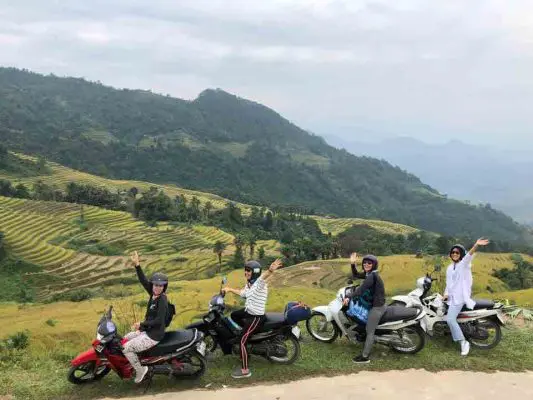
(251, 317)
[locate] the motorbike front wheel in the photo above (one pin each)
(416, 336)
(292, 346)
(321, 329)
(87, 372)
(484, 334)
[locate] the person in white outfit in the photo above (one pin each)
(458, 290)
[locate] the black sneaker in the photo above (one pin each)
(361, 360)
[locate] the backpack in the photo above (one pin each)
(171, 311)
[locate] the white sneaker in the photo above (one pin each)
(465, 347)
(139, 375)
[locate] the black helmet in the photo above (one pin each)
(461, 248)
(255, 267)
(373, 259)
(159, 278)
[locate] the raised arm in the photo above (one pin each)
(353, 265)
(140, 274)
(479, 242)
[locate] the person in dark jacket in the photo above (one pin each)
(372, 281)
(148, 333)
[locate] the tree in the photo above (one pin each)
(133, 192)
(238, 258)
(251, 241)
(218, 249)
(2, 250)
(268, 221)
(22, 192)
(261, 253)
(207, 210)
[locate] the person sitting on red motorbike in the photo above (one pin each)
(148, 333)
(251, 317)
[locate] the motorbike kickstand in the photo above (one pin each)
(149, 376)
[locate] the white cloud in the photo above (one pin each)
(433, 70)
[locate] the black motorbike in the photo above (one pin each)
(277, 340)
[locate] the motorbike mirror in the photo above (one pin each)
(109, 314)
(224, 280)
(437, 268)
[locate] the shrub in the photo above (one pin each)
(17, 341)
(51, 322)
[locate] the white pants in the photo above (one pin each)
(137, 342)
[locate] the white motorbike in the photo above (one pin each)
(401, 328)
(481, 326)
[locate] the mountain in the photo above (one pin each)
(499, 177)
(222, 144)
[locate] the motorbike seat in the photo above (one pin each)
(481, 304)
(273, 320)
(172, 340)
(398, 313)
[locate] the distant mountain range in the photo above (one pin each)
(223, 144)
(469, 172)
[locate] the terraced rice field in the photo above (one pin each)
(399, 273)
(61, 176)
(338, 225)
(39, 232)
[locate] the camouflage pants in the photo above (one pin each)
(137, 342)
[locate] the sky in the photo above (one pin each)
(361, 70)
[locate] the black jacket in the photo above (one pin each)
(373, 281)
(156, 310)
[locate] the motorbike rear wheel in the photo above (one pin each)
(195, 366)
(485, 326)
(417, 336)
(292, 345)
(90, 372)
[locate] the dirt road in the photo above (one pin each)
(397, 385)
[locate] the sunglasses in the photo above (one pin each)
(455, 252)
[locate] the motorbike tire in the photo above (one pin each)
(498, 337)
(202, 364)
(288, 360)
(315, 335)
(90, 365)
(421, 343)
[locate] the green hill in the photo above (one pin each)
(221, 144)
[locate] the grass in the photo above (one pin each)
(39, 372)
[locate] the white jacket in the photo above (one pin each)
(459, 282)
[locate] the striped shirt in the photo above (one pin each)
(256, 297)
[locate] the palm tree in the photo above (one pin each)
(251, 242)
(218, 249)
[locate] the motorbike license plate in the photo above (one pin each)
(500, 318)
(424, 324)
(296, 332)
(201, 348)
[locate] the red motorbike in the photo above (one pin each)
(180, 354)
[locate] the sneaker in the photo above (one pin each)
(139, 375)
(361, 360)
(465, 347)
(239, 373)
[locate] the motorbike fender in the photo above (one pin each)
(324, 310)
(200, 325)
(86, 356)
(404, 299)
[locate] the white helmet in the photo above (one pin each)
(420, 283)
